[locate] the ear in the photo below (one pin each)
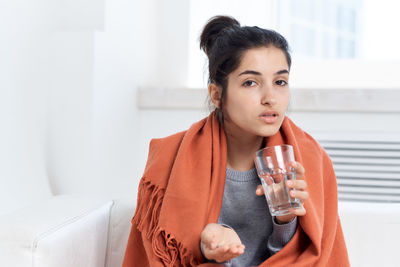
(214, 91)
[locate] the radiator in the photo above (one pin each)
(368, 175)
(367, 170)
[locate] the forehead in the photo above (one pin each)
(263, 59)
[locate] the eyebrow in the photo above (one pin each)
(258, 73)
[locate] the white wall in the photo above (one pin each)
(69, 71)
(68, 91)
(125, 58)
(24, 66)
(70, 98)
(98, 139)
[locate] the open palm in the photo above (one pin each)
(220, 243)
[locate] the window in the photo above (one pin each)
(334, 43)
(321, 29)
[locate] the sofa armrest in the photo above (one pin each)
(63, 231)
(120, 225)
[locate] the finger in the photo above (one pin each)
(236, 249)
(300, 171)
(301, 195)
(233, 250)
(241, 249)
(297, 184)
(259, 190)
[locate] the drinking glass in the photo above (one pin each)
(274, 170)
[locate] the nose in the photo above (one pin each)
(268, 96)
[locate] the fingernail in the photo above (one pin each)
(289, 183)
(294, 164)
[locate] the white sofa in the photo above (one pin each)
(66, 231)
(40, 229)
(73, 231)
(371, 231)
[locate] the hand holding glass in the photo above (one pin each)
(274, 170)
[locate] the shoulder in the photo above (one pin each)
(161, 155)
(315, 159)
(171, 143)
(163, 151)
(166, 143)
(164, 148)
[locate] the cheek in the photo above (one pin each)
(241, 104)
(284, 100)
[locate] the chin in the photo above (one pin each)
(269, 132)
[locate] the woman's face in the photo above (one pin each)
(258, 93)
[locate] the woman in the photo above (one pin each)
(199, 200)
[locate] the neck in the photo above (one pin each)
(241, 150)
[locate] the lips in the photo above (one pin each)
(269, 116)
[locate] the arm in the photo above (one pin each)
(281, 235)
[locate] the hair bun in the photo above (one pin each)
(214, 27)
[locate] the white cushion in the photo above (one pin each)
(64, 231)
(371, 232)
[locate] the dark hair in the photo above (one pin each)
(224, 41)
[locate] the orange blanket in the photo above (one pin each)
(182, 188)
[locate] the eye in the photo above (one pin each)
(281, 82)
(249, 83)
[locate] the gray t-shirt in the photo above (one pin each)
(249, 216)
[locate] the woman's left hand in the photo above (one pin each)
(299, 192)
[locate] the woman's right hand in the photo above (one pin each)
(220, 243)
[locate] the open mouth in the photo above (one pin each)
(269, 117)
(269, 114)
